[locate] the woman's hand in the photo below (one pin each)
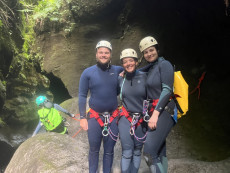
(84, 124)
(153, 120)
(122, 73)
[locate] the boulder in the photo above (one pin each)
(53, 152)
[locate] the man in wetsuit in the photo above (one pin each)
(102, 82)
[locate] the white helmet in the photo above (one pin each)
(147, 42)
(128, 53)
(104, 43)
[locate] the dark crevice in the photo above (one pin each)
(58, 89)
(7, 152)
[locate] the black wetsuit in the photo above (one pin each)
(159, 86)
(133, 93)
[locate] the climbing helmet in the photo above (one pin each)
(147, 42)
(128, 53)
(104, 43)
(40, 100)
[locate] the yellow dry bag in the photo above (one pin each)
(181, 94)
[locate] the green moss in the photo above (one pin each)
(34, 13)
(4, 83)
(2, 123)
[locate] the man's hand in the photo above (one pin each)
(84, 124)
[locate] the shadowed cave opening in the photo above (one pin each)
(58, 89)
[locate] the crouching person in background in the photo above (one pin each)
(50, 117)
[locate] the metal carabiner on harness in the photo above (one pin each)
(145, 110)
(146, 117)
(105, 131)
(135, 119)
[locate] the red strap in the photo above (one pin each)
(154, 104)
(125, 113)
(94, 114)
(114, 115)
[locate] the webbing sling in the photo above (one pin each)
(96, 115)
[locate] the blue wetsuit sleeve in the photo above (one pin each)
(82, 94)
(167, 79)
(119, 69)
(37, 128)
(59, 108)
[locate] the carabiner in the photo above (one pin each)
(131, 131)
(105, 131)
(146, 117)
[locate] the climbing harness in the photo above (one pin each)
(108, 118)
(135, 120)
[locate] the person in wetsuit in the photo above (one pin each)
(101, 80)
(131, 126)
(159, 91)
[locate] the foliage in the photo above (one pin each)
(6, 14)
(33, 13)
(2, 123)
(44, 8)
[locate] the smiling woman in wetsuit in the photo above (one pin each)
(159, 91)
(131, 125)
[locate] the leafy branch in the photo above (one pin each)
(5, 13)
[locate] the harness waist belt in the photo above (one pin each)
(153, 105)
(93, 114)
(128, 115)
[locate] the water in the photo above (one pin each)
(10, 140)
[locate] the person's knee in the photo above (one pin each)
(94, 149)
(137, 152)
(127, 154)
(150, 160)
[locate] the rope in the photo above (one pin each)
(198, 86)
(77, 132)
(78, 121)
